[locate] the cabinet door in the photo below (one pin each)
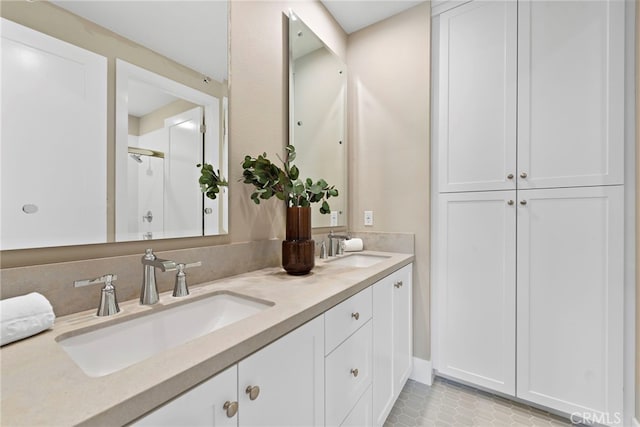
(392, 340)
(476, 288)
(477, 97)
(383, 383)
(290, 375)
(201, 406)
(570, 93)
(570, 298)
(361, 414)
(402, 327)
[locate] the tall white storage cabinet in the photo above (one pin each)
(528, 257)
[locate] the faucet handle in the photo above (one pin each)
(107, 278)
(191, 264)
(181, 289)
(108, 302)
(323, 250)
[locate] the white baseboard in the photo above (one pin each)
(636, 422)
(422, 371)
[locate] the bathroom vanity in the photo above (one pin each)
(330, 348)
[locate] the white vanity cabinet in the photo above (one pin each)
(290, 375)
(203, 405)
(286, 377)
(392, 340)
(321, 374)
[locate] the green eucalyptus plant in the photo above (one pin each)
(210, 181)
(270, 180)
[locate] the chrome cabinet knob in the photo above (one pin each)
(253, 392)
(231, 408)
(398, 284)
(510, 176)
(355, 315)
(523, 175)
(354, 372)
(510, 202)
(523, 202)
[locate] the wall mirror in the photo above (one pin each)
(129, 96)
(317, 115)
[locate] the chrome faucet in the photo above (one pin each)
(149, 291)
(340, 248)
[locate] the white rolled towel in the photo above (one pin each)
(353, 245)
(24, 316)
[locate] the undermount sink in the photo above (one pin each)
(106, 350)
(359, 260)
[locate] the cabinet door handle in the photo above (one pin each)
(523, 202)
(398, 284)
(231, 408)
(253, 392)
(510, 202)
(510, 176)
(355, 315)
(354, 372)
(523, 175)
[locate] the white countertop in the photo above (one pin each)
(41, 385)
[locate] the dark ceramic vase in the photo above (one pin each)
(298, 250)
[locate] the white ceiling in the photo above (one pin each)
(193, 33)
(353, 15)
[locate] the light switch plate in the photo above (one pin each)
(368, 218)
(334, 218)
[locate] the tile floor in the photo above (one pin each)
(449, 404)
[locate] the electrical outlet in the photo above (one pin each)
(334, 218)
(368, 218)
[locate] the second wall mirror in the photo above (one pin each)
(317, 115)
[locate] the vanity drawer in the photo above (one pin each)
(348, 374)
(362, 414)
(345, 318)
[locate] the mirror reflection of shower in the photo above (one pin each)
(145, 191)
(157, 190)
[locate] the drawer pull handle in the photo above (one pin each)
(398, 284)
(231, 408)
(253, 392)
(355, 315)
(354, 372)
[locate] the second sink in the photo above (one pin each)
(111, 348)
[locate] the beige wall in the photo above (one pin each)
(389, 140)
